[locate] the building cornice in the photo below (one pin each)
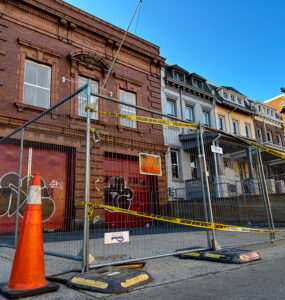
(75, 17)
(173, 83)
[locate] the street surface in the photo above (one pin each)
(175, 278)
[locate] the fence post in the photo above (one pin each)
(203, 188)
(85, 252)
(266, 196)
(206, 185)
(19, 186)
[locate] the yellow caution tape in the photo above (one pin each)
(194, 223)
(147, 119)
(192, 126)
(257, 145)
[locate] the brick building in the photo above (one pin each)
(48, 49)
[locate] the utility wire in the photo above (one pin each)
(137, 20)
(115, 58)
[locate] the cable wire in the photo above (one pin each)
(124, 37)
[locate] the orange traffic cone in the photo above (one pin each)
(28, 271)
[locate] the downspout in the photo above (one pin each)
(229, 119)
(216, 166)
(181, 106)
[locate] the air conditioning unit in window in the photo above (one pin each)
(271, 186)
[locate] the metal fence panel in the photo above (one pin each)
(47, 145)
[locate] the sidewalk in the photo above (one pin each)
(164, 271)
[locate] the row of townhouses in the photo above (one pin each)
(48, 49)
(191, 97)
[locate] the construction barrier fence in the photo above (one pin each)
(98, 150)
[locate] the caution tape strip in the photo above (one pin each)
(147, 119)
(194, 223)
(188, 126)
(264, 148)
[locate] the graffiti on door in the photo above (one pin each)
(9, 193)
(117, 194)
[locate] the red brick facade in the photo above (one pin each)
(74, 43)
(275, 130)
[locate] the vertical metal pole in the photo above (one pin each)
(210, 211)
(266, 196)
(203, 189)
(85, 252)
(177, 204)
(19, 186)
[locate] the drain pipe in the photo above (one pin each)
(216, 165)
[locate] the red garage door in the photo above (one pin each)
(52, 166)
(126, 188)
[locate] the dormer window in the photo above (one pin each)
(259, 108)
(178, 76)
(239, 101)
(225, 95)
(232, 98)
(197, 83)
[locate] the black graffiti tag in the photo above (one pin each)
(117, 194)
(9, 192)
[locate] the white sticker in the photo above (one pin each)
(116, 237)
(217, 149)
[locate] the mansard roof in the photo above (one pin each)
(232, 89)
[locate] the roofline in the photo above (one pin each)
(103, 28)
(263, 103)
(274, 98)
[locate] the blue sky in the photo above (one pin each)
(238, 43)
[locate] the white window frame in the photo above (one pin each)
(36, 86)
(239, 101)
(178, 76)
(259, 135)
(221, 117)
(270, 139)
(247, 129)
(279, 140)
(194, 166)
(82, 98)
(235, 125)
(191, 113)
(175, 164)
(197, 83)
(171, 103)
(131, 98)
(206, 113)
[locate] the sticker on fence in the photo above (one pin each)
(217, 149)
(116, 237)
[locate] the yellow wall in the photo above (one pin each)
(242, 119)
